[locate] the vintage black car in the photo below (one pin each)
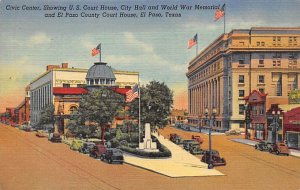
(263, 146)
(175, 138)
(216, 159)
(196, 149)
(113, 155)
(86, 147)
(187, 144)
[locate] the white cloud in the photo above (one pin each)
(139, 44)
(39, 38)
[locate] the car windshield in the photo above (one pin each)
(116, 151)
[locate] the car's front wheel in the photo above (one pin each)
(277, 152)
(109, 160)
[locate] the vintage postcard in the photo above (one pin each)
(160, 95)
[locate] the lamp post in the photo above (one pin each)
(211, 124)
(276, 115)
(247, 119)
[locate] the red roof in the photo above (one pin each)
(68, 91)
(121, 90)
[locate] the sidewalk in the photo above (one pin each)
(293, 152)
(204, 131)
(181, 164)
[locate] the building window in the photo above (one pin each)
(241, 109)
(73, 109)
(262, 43)
(241, 93)
(261, 59)
(242, 125)
(229, 94)
(257, 43)
(261, 79)
(241, 78)
(261, 90)
(66, 85)
(241, 59)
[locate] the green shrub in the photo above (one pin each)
(123, 143)
(115, 143)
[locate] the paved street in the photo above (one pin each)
(28, 162)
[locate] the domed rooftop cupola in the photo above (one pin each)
(100, 75)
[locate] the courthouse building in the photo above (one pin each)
(62, 86)
(265, 59)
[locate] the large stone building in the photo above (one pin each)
(261, 58)
(55, 81)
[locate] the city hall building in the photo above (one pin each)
(62, 86)
(265, 59)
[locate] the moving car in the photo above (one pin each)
(279, 148)
(262, 146)
(112, 155)
(195, 149)
(175, 138)
(41, 133)
(197, 138)
(97, 151)
(187, 144)
(216, 159)
(76, 144)
(86, 147)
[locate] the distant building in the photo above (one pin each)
(22, 111)
(265, 59)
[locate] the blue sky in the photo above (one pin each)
(155, 47)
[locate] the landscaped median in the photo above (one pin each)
(164, 152)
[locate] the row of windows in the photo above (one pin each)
(40, 97)
(209, 70)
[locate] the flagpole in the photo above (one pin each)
(139, 107)
(197, 48)
(100, 53)
(224, 16)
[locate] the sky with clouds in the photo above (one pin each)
(155, 47)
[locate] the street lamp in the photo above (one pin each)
(211, 124)
(276, 115)
(247, 119)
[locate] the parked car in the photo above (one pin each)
(279, 148)
(262, 146)
(197, 138)
(86, 147)
(112, 155)
(233, 132)
(76, 144)
(41, 133)
(97, 151)
(187, 144)
(195, 149)
(185, 127)
(175, 138)
(55, 137)
(216, 159)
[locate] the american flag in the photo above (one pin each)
(132, 94)
(193, 41)
(220, 13)
(96, 50)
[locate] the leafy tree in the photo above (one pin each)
(99, 107)
(156, 104)
(47, 115)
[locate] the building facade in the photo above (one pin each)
(235, 64)
(61, 77)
